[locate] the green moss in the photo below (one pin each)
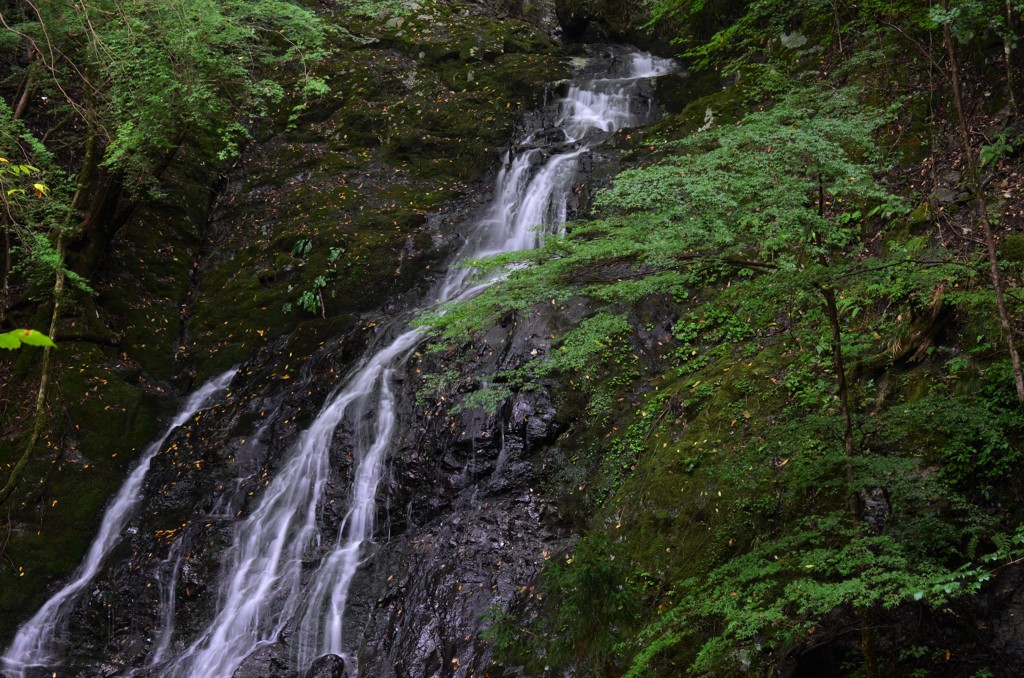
(152, 262)
(416, 117)
(114, 414)
(701, 488)
(1012, 249)
(726, 106)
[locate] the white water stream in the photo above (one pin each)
(37, 641)
(267, 586)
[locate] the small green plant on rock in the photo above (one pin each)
(502, 627)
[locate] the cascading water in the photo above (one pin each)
(167, 580)
(262, 588)
(263, 585)
(282, 577)
(37, 640)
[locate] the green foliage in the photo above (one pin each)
(976, 437)
(9, 177)
(16, 338)
(754, 186)
(434, 384)
(489, 398)
(502, 627)
(35, 198)
(775, 594)
(749, 228)
(302, 247)
(195, 65)
(192, 68)
(969, 19)
(744, 226)
(310, 299)
(128, 83)
(752, 34)
(802, 571)
(776, 192)
(1000, 147)
(619, 459)
(592, 600)
(590, 341)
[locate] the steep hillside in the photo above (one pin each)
(792, 426)
(758, 410)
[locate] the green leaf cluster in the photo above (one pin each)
(149, 74)
(16, 338)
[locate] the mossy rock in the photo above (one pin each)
(109, 403)
(1011, 249)
(420, 115)
(726, 106)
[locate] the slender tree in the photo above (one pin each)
(981, 206)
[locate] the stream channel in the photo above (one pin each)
(284, 581)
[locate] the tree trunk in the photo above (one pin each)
(868, 637)
(839, 367)
(981, 207)
(1008, 54)
(110, 211)
(96, 229)
(26, 93)
(7, 273)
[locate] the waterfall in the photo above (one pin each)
(167, 580)
(38, 639)
(264, 585)
(282, 577)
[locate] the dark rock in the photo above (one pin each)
(945, 195)
(265, 663)
(875, 506)
(328, 666)
(463, 528)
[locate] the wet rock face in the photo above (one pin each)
(470, 528)
(462, 529)
(599, 20)
(364, 190)
(447, 577)
(1006, 607)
